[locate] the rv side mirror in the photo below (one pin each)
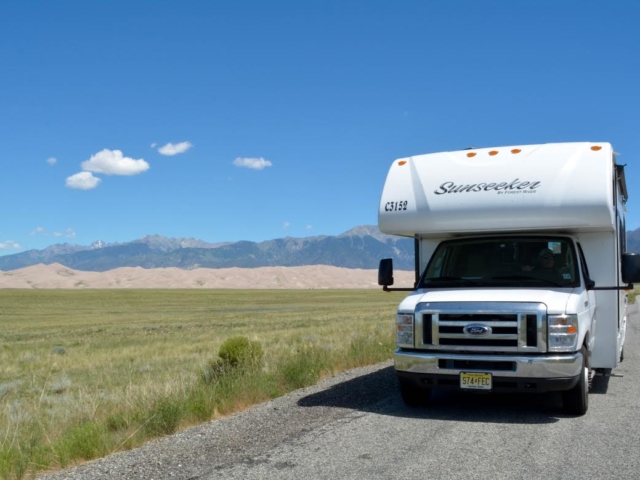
(630, 267)
(385, 272)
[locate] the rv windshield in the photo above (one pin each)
(503, 261)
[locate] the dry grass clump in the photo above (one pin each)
(87, 373)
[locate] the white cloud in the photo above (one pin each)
(309, 227)
(68, 233)
(9, 245)
(52, 161)
(154, 145)
(285, 225)
(82, 181)
(252, 163)
(175, 148)
(112, 162)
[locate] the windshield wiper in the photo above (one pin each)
(528, 278)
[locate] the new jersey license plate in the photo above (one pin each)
(475, 381)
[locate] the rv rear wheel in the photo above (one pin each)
(413, 395)
(576, 400)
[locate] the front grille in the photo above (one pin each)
(532, 330)
(478, 343)
(504, 329)
(478, 326)
(476, 317)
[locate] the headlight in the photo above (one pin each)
(404, 324)
(563, 333)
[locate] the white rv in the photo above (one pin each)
(521, 269)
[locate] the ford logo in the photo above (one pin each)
(477, 330)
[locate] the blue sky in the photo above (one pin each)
(282, 118)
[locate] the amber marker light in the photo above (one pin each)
(572, 329)
(493, 152)
(595, 148)
(402, 162)
(471, 154)
(516, 150)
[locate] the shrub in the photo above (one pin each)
(200, 404)
(117, 421)
(61, 385)
(241, 352)
(165, 417)
(85, 441)
(8, 388)
(236, 355)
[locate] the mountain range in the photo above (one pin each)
(360, 247)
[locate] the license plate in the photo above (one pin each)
(475, 381)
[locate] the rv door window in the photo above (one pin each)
(502, 262)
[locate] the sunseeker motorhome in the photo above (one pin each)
(521, 269)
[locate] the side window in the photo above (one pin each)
(583, 263)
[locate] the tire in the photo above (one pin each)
(576, 400)
(412, 395)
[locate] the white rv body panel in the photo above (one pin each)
(448, 193)
(599, 249)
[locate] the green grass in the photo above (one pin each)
(91, 372)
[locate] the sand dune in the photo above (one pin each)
(312, 276)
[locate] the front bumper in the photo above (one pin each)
(510, 373)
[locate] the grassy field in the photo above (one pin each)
(87, 373)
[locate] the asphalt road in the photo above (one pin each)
(355, 426)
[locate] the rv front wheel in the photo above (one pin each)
(576, 400)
